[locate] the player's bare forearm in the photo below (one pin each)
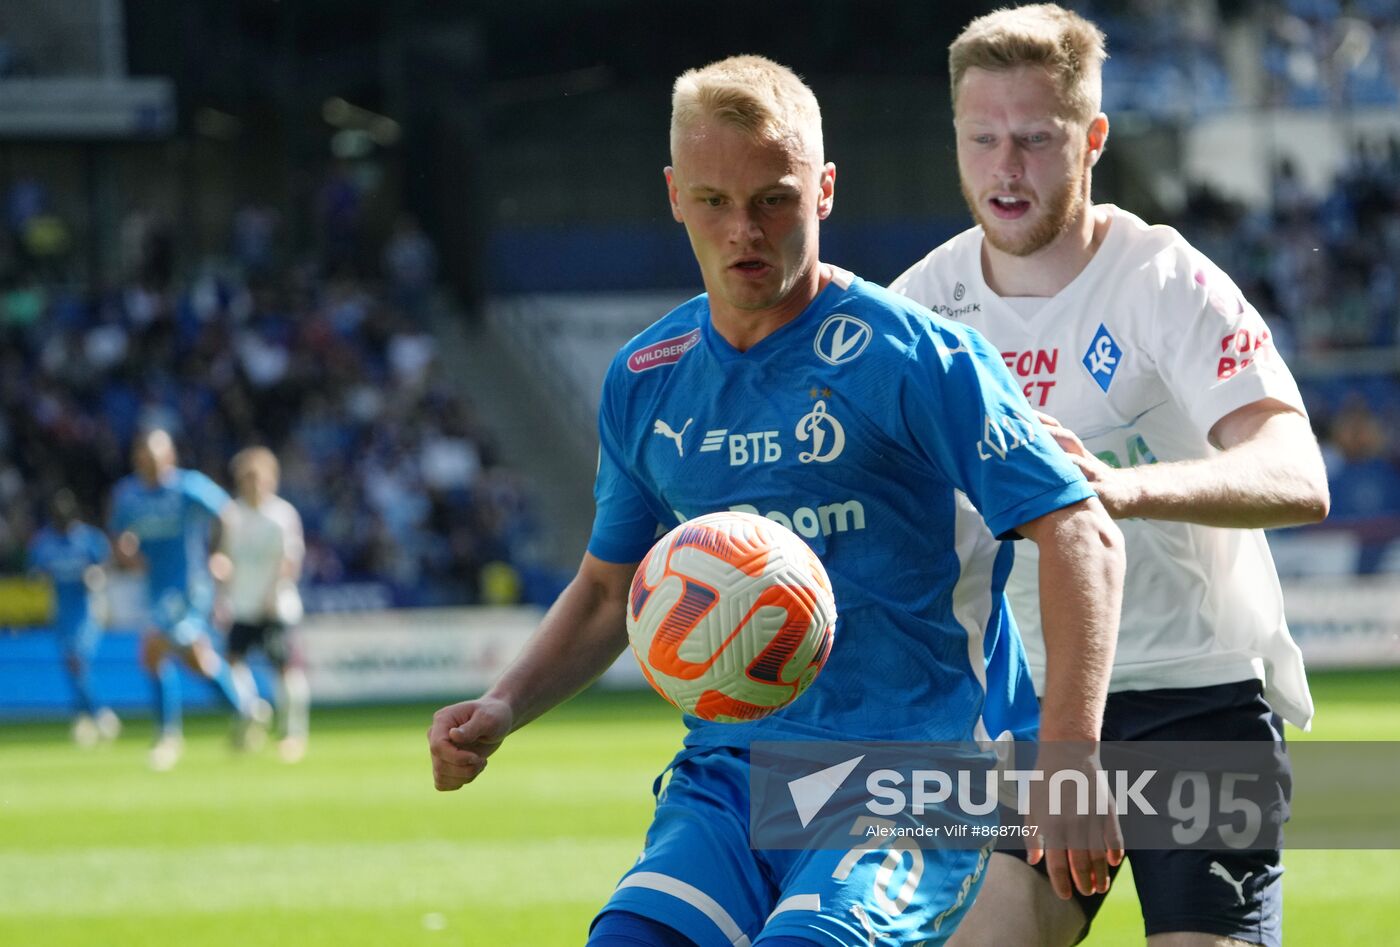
(1268, 474)
(577, 640)
(581, 634)
(1081, 583)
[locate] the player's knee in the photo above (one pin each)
(204, 658)
(1017, 906)
(625, 929)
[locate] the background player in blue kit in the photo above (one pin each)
(899, 447)
(164, 515)
(72, 555)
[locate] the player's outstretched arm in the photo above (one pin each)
(1081, 583)
(580, 636)
(1268, 473)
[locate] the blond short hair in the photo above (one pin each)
(256, 458)
(1062, 42)
(756, 95)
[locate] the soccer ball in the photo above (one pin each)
(731, 616)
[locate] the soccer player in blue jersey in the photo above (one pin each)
(165, 515)
(72, 554)
(898, 446)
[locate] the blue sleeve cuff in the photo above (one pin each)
(616, 552)
(1004, 524)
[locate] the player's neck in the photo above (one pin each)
(745, 328)
(1052, 268)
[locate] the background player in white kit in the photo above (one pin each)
(1172, 399)
(780, 342)
(259, 562)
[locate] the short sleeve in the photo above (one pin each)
(624, 524)
(293, 538)
(1213, 349)
(968, 418)
(204, 492)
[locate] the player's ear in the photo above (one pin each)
(828, 191)
(671, 194)
(1098, 137)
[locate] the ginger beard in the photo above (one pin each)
(1062, 207)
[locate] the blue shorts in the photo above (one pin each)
(1229, 893)
(180, 617)
(698, 875)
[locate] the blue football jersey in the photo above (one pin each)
(899, 447)
(172, 521)
(64, 557)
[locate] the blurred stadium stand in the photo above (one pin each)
(400, 245)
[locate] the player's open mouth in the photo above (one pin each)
(1008, 207)
(751, 268)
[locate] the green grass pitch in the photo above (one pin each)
(353, 847)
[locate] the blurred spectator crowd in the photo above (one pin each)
(1169, 57)
(336, 371)
(1325, 272)
(1333, 53)
(1166, 59)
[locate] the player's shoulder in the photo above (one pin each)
(126, 487)
(90, 532)
(942, 267)
(201, 489)
(1158, 248)
(1158, 264)
(662, 344)
(282, 509)
(192, 479)
(900, 326)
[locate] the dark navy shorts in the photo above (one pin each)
(270, 636)
(1228, 893)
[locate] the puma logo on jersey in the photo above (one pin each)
(664, 429)
(1218, 870)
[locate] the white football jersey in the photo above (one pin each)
(1141, 355)
(257, 539)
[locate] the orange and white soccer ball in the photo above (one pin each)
(731, 616)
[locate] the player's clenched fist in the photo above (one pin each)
(462, 737)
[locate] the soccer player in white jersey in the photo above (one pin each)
(880, 432)
(1171, 398)
(259, 563)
